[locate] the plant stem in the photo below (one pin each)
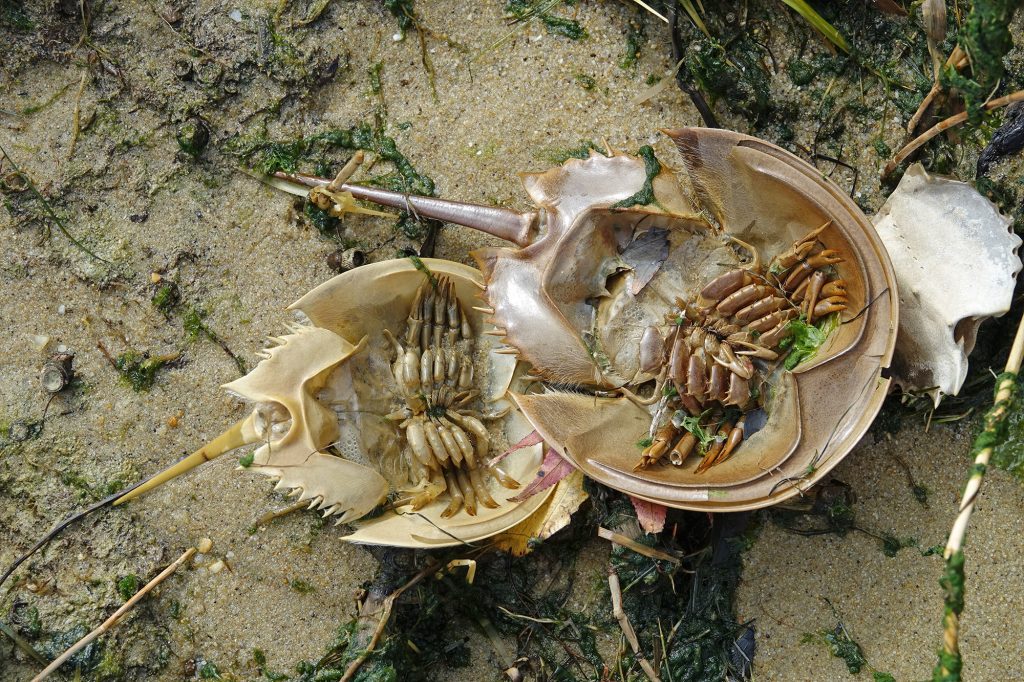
(950, 662)
(948, 123)
(112, 621)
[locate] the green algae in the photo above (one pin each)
(645, 195)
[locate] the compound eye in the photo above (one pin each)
(272, 421)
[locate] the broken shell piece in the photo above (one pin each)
(956, 265)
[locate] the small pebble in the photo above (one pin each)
(205, 545)
(236, 15)
(61, 309)
(155, 277)
(39, 341)
(217, 566)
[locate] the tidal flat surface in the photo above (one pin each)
(106, 116)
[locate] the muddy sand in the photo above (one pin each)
(240, 252)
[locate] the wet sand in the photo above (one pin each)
(243, 256)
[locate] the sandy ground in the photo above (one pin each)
(248, 257)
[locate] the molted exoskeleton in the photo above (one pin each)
(389, 388)
(742, 310)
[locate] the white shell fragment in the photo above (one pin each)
(956, 265)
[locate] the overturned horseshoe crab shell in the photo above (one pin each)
(330, 411)
(622, 257)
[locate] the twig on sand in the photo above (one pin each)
(20, 642)
(627, 628)
(382, 623)
(958, 59)
(941, 126)
(112, 621)
(271, 515)
(950, 662)
(650, 552)
(76, 117)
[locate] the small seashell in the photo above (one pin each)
(344, 260)
(217, 566)
(204, 546)
(57, 373)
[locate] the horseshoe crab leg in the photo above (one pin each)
(518, 228)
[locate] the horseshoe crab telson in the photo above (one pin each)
(775, 280)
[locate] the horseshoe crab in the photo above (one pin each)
(389, 388)
(740, 256)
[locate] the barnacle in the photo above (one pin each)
(620, 249)
(388, 388)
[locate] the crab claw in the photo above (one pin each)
(241, 434)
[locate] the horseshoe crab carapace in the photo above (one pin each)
(771, 275)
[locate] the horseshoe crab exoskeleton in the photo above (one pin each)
(389, 392)
(711, 339)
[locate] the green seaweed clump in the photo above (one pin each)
(709, 642)
(635, 39)
(804, 339)
(403, 12)
(166, 297)
(585, 81)
(209, 671)
(840, 645)
(301, 586)
(735, 77)
(1007, 437)
(326, 224)
(581, 151)
(645, 195)
(12, 14)
(985, 36)
(194, 327)
(26, 619)
(128, 586)
(521, 10)
(267, 156)
(109, 667)
(891, 545)
(139, 370)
